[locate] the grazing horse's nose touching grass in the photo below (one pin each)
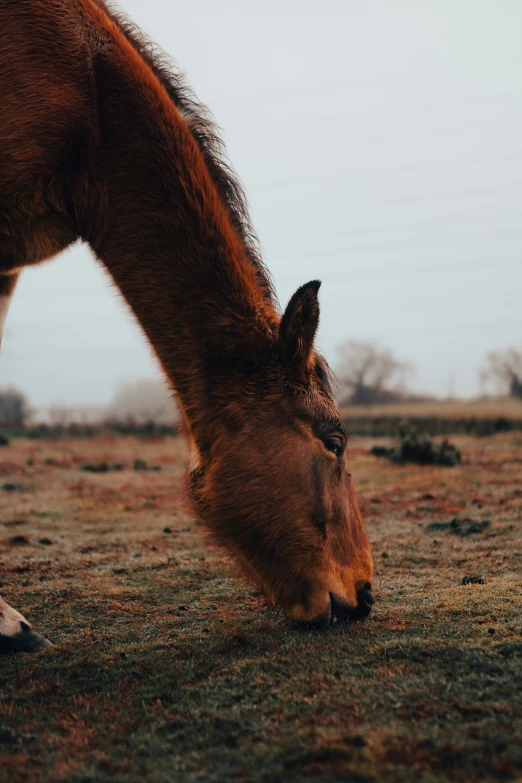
(345, 613)
(26, 641)
(366, 598)
(338, 610)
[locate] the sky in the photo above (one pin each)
(380, 146)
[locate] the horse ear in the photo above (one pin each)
(299, 322)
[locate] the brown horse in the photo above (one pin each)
(101, 140)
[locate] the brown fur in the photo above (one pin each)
(101, 141)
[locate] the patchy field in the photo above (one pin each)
(510, 408)
(167, 667)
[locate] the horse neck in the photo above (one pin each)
(165, 235)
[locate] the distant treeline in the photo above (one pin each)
(149, 429)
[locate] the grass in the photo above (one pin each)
(445, 409)
(168, 667)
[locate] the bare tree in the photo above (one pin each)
(60, 416)
(14, 409)
(504, 370)
(369, 374)
(144, 400)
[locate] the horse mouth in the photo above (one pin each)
(339, 611)
(28, 641)
(344, 613)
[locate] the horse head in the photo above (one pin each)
(274, 483)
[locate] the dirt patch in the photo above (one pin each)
(167, 666)
(460, 527)
(419, 448)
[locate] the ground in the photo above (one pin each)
(168, 666)
(510, 409)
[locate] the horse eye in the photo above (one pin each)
(334, 444)
(321, 373)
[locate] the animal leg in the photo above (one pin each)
(7, 286)
(16, 634)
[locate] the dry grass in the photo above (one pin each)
(444, 409)
(168, 667)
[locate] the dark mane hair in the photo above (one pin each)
(205, 133)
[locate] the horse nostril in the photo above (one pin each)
(365, 597)
(365, 600)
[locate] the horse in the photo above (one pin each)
(102, 141)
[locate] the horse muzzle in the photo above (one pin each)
(26, 641)
(344, 613)
(338, 610)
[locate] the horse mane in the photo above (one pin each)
(205, 132)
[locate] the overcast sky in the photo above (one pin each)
(380, 144)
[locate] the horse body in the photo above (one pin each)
(100, 141)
